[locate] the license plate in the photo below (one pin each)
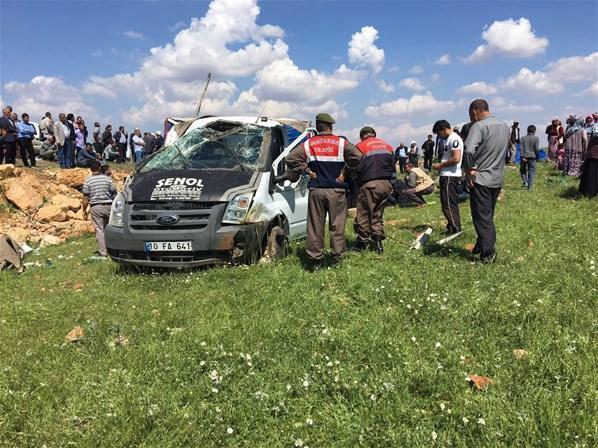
(168, 246)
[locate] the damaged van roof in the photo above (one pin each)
(188, 124)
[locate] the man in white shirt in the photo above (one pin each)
(450, 174)
(138, 145)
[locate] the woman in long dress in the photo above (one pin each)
(555, 133)
(588, 183)
(576, 141)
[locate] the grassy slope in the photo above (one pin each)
(332, 360)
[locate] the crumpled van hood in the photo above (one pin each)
(205, 185)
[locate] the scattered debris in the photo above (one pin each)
(119, 341)
(443, 241)
(469, 247)
(480, 382)
(520, 353)
(76, 334)
(422, 239)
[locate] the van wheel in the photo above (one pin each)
(276, 245)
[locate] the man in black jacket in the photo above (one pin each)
(10, 136)
(120, 139)
(428, 149)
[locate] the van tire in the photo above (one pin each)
(276, 244)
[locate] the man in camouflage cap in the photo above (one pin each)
(326, 158)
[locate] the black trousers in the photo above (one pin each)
(402, 163)
(122, 150)
(450, 205)
(483, 202)
(428, 161)
(10, 152)
(26, 150)
(408, 196)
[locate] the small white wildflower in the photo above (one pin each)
(305, 384)
(413, 339)
(202, 363)
(465, 420)
(289, 387)
(214, 390)
(481, 421)
(229, 430)
(373, 397)
(442, 406)
(309, 421)
(203, 343)
(434, 435)
(438, 344)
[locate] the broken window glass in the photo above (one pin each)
(220, 145)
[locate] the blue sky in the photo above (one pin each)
(371, 62)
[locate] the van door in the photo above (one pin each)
(291, 197)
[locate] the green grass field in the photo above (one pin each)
(374, 353)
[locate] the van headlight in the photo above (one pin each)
(237, 209)
(117, 212)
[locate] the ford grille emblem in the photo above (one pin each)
(167, 220)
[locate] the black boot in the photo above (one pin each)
(360, 245)
(378, 247)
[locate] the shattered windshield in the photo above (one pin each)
(221, 145)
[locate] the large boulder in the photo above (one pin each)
(73, 178)
(19, 234)
(50, 240)
(78, 215)
(81, 228)
(52, 213)
(64, 201)
(22, 195)
(7, 171)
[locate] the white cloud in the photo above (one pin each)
(401, 132)
(511, 38)
(133, 35)
(527, 81)
(445, 59)
(178, 26)
(592, 90)
(574, 69)
(404, 107)
(435, 77)
(412, 84)
(46, 94)
(416, 70)
(503, 105)
(363, 52)
(282, 80)
(478, 87)
(385, 87)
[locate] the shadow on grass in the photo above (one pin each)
(436, 250)
(310, 265)
(570, 193)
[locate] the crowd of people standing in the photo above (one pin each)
(68, 141)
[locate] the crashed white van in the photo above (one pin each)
(208, 197)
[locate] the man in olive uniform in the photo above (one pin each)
(326, 158)
(376, 170)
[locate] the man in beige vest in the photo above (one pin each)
(420, 184)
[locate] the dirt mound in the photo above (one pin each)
(44, 206)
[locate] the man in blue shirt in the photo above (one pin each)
(25, 138)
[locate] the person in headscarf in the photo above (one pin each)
(413, 153)
(555, 134)
(576, 141)
(588, 183)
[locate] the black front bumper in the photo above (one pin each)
(212, 242)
